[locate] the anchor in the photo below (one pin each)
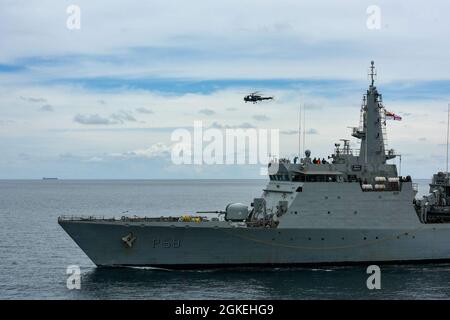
(129, 239)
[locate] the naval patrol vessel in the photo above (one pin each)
(354, 208)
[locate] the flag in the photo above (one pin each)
(392, 116)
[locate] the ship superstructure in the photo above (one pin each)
(352, 208)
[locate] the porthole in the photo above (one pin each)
(376, 238)
(339, 197)
(326, 197)
(309, 238)
(355, 212)
(365, 238)
(322, 239)
(329, 212)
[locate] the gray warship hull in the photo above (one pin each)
(192, 246)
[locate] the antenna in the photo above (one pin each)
(300, 131)
(448, 125)
(304, 128)
(373, 72)
(399, 165)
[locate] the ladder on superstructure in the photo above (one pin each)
(383, 127)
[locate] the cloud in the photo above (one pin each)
(67, 156)
(289, 132)
(144, 110)
(157, 150)
(115, 118)
(46, 108)
(94, 159)
(122, 116)
(244, 125)
(91, 119)
(312, 131)
(261, 117)
(292, 132)
(207, 112)
(32, 99)
(6, 122)
(231, 109)
(312, 106)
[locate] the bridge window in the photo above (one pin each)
(311, 178)
(298, 178)
(314, 178)
(279, 177)
(317, 178)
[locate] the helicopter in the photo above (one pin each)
(255, 97)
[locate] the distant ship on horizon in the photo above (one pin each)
(49, 178)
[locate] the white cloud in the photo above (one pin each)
(94, 119)
(289, 132)
(157, 150)
(90, 119)
(122, 116)
(261, 117)
(244, 125)
(144, 110)
(33, 99)
(312, 131)
(46, 108)
(207, 112)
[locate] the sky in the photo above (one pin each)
(102, 101)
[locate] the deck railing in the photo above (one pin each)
(128, 219)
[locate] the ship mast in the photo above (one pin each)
(448, 126)
(372, 129)
(372, 73)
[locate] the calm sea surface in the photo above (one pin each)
(35, 251)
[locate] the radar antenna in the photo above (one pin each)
(373, 72)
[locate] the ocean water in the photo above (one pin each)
(35, 251)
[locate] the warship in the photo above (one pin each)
(352, 209)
